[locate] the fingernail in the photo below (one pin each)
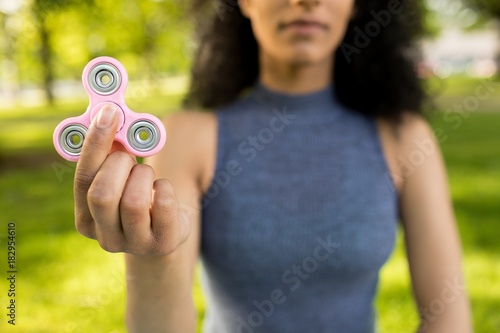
(106, 116)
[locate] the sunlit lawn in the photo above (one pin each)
(67, 283)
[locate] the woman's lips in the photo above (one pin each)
(304, 27)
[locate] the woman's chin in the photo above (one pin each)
(306, 58)
(306, 53)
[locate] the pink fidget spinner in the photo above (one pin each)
(105, 80)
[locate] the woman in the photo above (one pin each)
(292, 189)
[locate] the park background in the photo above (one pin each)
(67, 283)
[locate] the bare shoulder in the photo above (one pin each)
(190, 120)
(192, 128)
(413, 127)
(406, 145)
(419, 148)
(190, 147)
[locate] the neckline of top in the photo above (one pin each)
(318, 97)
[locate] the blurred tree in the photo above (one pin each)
(6, 52)
(154, 33)
(8, 68)
(50, 41)
(149, 36)
(488, 7)
(42, 9)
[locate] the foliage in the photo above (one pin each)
(51, 40)
(490, 8)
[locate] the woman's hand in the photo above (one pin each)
(119, 202)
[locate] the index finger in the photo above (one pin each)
(96, 147)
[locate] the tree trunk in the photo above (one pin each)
(8, 67)
(45, 54)
(498, 47)
(498, 63)
(46, 58)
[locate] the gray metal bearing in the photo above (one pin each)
(143, 135)
(71, 139)
(104, 79)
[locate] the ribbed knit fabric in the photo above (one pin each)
(299, 218)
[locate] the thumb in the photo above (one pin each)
(96, 147)
(101, 133)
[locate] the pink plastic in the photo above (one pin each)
(127, 116)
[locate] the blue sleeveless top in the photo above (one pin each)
(299, 218)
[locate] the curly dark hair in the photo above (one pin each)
(373, 74)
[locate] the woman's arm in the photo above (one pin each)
(432, 241)
(159, 289)
(149, 212)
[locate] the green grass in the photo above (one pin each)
(461, 89)
(67, 283)
(62, 277)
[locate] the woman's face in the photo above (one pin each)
(298, 31)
